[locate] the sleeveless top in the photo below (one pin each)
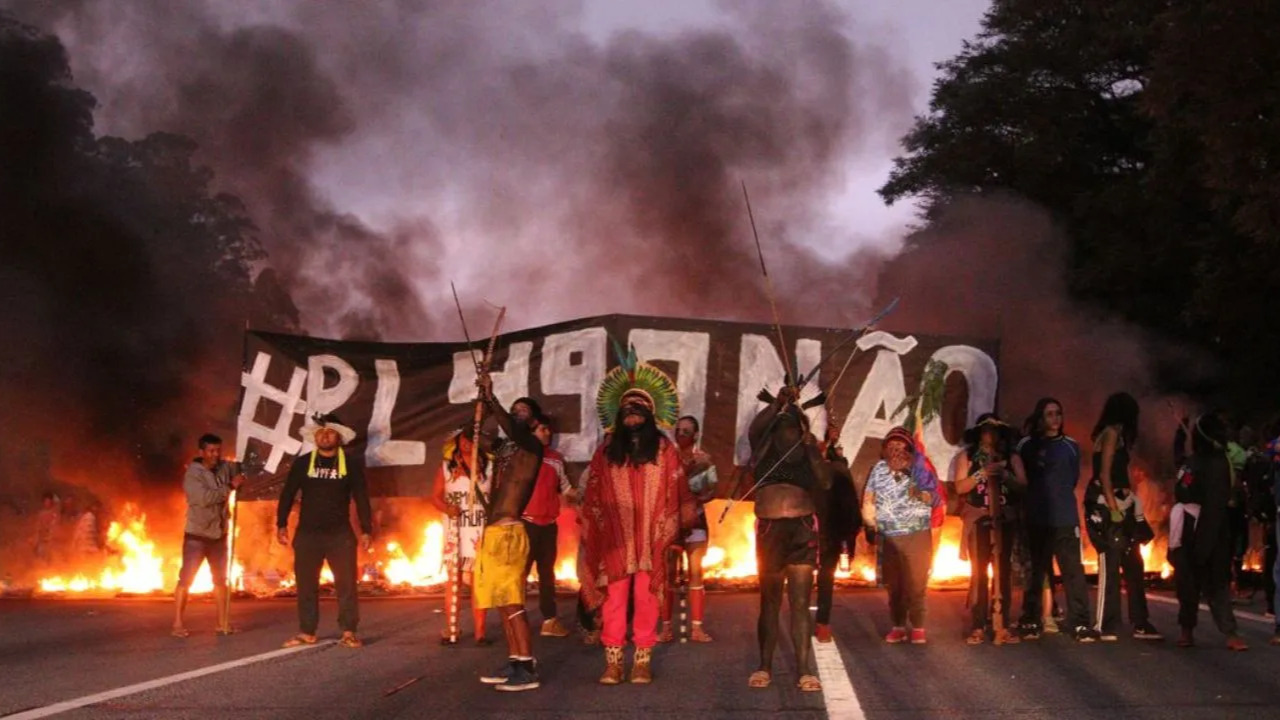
(469, 525)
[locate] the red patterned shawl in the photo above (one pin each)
(616, 545)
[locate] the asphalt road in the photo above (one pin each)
(52, 651)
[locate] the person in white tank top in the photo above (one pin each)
(451, 494)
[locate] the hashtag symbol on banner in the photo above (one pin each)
(257, 389)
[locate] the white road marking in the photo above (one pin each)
(87, 700)
(1238, 613)
(837, 691)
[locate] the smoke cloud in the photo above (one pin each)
(533, 157)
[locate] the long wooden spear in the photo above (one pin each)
(768, 288)
(482, 369)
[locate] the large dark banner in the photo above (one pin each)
(403, 399)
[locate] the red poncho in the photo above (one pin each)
(632, 514)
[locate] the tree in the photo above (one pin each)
(1151, 141)
(129, 280)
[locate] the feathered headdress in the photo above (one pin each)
(632, 379)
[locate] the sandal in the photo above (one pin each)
(180, 632)
(300, 639)
(809, 683)
(224, 632)
(977, 637)
(349, 640)
(759, 679)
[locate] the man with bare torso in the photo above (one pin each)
(790, 470)
(504, 548)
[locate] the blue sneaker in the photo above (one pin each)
(500, 675)
(523, 677)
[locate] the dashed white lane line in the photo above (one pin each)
(96, 698)
(837, 690)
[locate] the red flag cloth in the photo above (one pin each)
(939, 508)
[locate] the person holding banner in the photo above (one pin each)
(452, 495)
(637, 498)
(329, 480)
(541, 516)
(504, 547)
(839, 524)
(208, 483)
(701, 472)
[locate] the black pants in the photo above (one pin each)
(542, 551)
(1120, 553)
(832, 541)
(980, 552)
(1211, 580)
(906, 573)
(1044, 545)
(1238, 521)
(310, 551)
(1268, 564)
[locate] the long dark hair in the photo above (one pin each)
(647, 439)
(1035, 422)
(1120, 409)
(1209, 436)
(1004, 436)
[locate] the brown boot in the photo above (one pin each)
(641, 672)
(612, 665)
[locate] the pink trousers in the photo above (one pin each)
(614, 614)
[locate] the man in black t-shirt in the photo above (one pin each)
(329, 480)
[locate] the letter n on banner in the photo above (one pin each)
(760, 367)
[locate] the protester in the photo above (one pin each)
(329, 480)
(898, 504)
(208, 484)
(1200, 533)
(701, 472)
(839, 523)
(1114, 518)
(1052, 464)
(453, 495)
(989, 466)
(540, 519)
(637, 499)
(790, 473)
(503, 556)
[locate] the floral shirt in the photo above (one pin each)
(897, 512)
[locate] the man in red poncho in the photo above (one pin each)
(637, 498)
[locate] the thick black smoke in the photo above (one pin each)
(585, 176)
(126, 282)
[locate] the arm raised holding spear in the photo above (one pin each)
(474, 493)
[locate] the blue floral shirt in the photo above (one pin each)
(897, 513)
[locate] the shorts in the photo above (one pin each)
(786, 541)
(195, 550)
(500, 567)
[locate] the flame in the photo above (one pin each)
(133, 566)
(948, 568)
(427, 566)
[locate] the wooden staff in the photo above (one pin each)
(995, 506)
(482, 369)
(768, 288)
